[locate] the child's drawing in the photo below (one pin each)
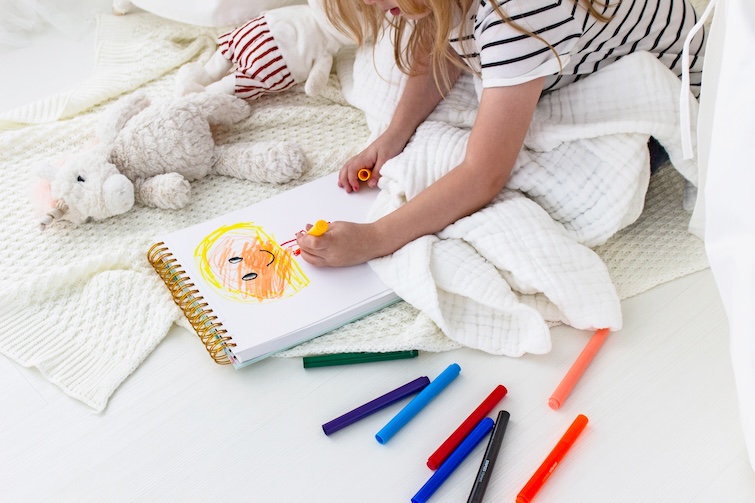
(241, 262)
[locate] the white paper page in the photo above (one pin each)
(328, 291)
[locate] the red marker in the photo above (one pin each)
(453, 441)
(537, 480)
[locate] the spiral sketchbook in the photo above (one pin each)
(246, 291)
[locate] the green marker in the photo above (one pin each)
(350, 358)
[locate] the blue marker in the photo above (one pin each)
(418, 403)
(454, 460)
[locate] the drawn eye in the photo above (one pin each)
(250, 276)
(235, 260)
(79, 179)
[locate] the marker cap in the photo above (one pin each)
(364, 174)
(320, 227)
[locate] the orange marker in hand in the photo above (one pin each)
(319, 228)
(364, 174)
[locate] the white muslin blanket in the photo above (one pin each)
(493, 280)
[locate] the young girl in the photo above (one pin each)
(520, 49)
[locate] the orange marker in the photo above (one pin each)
(577, 369)
(364, 174)
(319, 228)
(537, 480)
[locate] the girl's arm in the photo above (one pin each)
(418, 100)
(503, 119)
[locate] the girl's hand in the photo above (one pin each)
(373, 157)
(418, 99)
(344, 244)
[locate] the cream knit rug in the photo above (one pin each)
(86, 305)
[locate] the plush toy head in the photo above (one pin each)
(84, 186)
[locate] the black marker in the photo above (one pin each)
(488, 460)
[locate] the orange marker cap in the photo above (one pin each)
(364, 174)
(319, 228)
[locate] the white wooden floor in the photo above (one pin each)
(664, 424)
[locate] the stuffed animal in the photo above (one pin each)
(148, 153)
(268, 54)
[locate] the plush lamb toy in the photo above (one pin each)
(149, 153)
(290, 45)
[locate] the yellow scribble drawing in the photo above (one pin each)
(241, 262)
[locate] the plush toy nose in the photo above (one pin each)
(118, 192)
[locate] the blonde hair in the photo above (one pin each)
(430, 34)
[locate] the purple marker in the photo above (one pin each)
(375, 405)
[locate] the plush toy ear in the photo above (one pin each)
(45, 170)
(118, 192)
(40, 194)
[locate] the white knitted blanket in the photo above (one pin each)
(86, 307)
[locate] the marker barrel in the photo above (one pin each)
(375, 405)
(577, 369)
(351, 358)
(454, 460)
(418, 403)
(445, 449)
(545, 470)
(489, 458)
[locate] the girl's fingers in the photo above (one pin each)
(313, 259)
(374, 177)
(354, 175)
(344, 178)
(348, 178)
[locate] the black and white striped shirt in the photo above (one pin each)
(505, 56)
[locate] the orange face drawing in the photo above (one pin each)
(241, 262)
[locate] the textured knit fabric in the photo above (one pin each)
(260, 67)
(85, 307)
(570, 43)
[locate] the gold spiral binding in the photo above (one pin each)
(210, 331)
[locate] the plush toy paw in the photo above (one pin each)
(318, 76)
(282, 162)
(169, 191)
(192, 78)
(121, 7)
(276, 162)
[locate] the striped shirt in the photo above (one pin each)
(260, 67)
(505, 56)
